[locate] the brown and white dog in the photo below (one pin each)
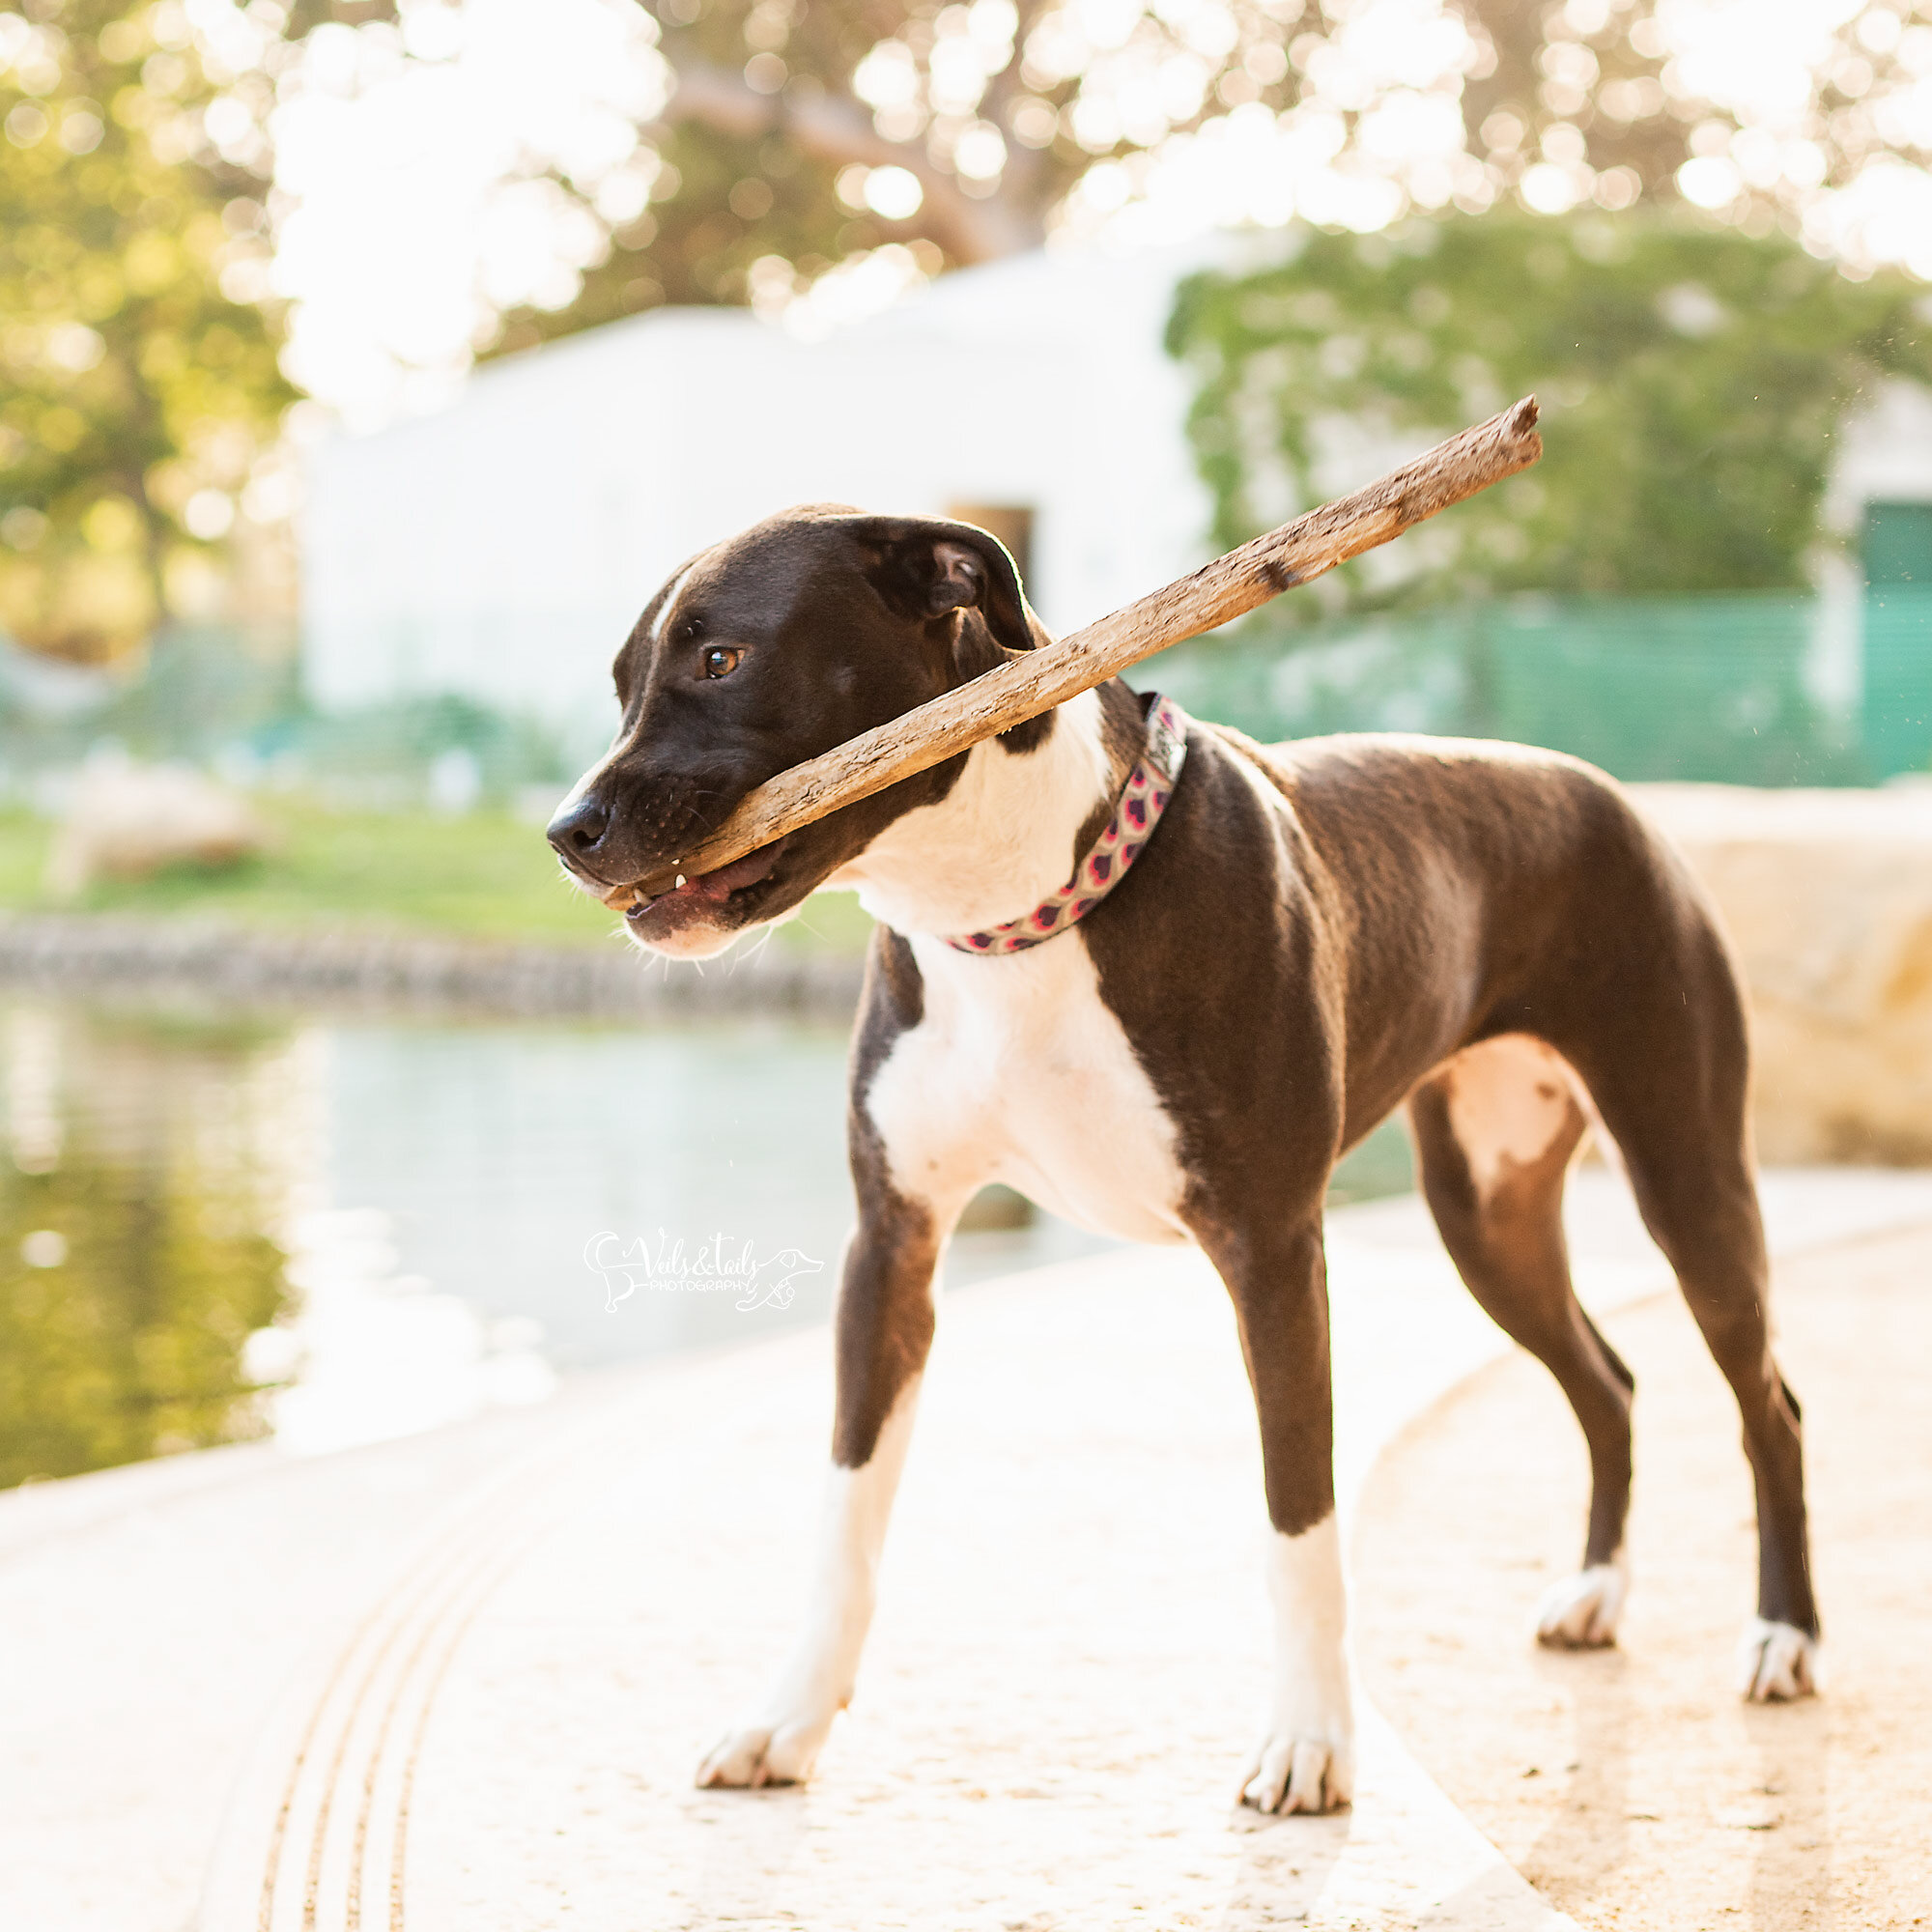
(1314, 935)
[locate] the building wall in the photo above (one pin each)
(503, 547)
(1877, 599)
(1885, 455)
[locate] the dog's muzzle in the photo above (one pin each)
(697, 901)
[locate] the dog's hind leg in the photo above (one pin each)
(1495, 1128)
(1677, 1113)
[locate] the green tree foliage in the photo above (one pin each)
(1691, 379)
(135, 393)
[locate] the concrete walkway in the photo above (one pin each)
(462, 1681)
(1632, 1786)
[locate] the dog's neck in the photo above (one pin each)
(1009, 831)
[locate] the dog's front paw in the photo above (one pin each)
(1291, 1774)
(1778, 1662)
(1582, 1613)
(782, 1752)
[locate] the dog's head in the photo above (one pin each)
(761, 653)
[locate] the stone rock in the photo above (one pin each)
(1827, 897)
(128, 821)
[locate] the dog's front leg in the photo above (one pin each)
(883, 1330)
(1305, 1759)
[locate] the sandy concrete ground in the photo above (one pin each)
(1065, 1675)
(1631, 1786)
(1070, 1658)
(462, 1681)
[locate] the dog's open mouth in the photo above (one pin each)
(694, 899)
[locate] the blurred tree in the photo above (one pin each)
(1592, 68)
(800, 132)
(1693, 378)
(140, 382)
(1613, 99)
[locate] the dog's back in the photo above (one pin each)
(1515, 888)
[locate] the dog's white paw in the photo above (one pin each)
(782, 1752)
(1582, 1613)
(1289, 1774)
(1777, 1664)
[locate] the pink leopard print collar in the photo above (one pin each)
(1107, 860)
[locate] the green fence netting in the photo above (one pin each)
(230, 696)
(1761, 689)
(1770, 689)
(1895, 716)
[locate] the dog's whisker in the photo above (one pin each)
(753, 953)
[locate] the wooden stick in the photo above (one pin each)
(1027, 684)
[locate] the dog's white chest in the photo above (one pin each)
(1020, 1072)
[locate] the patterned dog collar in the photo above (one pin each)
(1107, 860)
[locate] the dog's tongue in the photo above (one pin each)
(745, 871)
(717, 887)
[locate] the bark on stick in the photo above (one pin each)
(1027, 684)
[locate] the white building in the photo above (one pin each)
(503, 547)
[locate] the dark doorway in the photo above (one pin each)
(1011, 523)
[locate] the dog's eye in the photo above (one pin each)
(720, 660)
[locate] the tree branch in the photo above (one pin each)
(838, 129)
(1035, 681)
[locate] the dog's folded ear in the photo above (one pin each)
(926, 566)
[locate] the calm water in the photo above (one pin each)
(337, 1230)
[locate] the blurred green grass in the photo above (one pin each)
(483, 875)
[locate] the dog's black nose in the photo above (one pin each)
(577, 830)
